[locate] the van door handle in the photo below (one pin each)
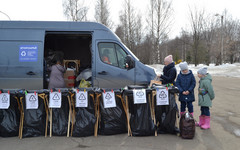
(31, 73)
(102, 73)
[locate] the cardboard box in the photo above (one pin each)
(155, 82)
(69, 78)
(69, 83)
(69, 74)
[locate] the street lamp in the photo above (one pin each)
(221, 37)
(5, 15)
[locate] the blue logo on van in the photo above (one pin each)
(28, 53)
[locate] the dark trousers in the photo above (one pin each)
(205, 111)
(189, 106)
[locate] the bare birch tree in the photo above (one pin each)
(231, 37)
(102, 14)
(203, 43)
(160, 21)
(196, 21)
(209, 34)
(131, 25)
(75, 10)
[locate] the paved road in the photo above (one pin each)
(223, 135)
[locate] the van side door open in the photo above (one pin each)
(111, 68)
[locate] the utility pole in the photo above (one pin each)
(222, 32)
(222, 58)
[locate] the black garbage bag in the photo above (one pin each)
(60, 116)
(85, 118)
(113, 120)
(166, 114)
(140, 120)
(34, 120)
(9, 118)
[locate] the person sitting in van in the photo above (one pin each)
(105, 56)
(57, 70)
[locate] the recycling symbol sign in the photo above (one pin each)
(139, 96)
(32, 98)
(82, 99)
(32, 101)
(108, 96)
(28, 53)
(4, 100)
(23, 53)
(55, 100)
(109, 100)
(56, 97)
(162, 97)
(140, 93)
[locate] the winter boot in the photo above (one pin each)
(191, 114)
(201, 121)
(206, 125)
(181, 113)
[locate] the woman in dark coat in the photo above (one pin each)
(169, 71)
(186, 83)
(168, 121)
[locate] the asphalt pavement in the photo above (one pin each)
(223, 135)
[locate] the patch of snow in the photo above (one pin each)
(226, 70)
(237, 132)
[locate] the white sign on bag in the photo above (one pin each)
(55, 100)
(4, 101)
(82, 99)
(32, 101)
(139, 96)
(162, 97)
(109, 100)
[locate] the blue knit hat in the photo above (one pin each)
(202, 71)
(183, 66)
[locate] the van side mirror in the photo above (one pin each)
(129, 61)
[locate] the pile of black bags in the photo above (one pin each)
(33, 120)
(10, 117)
(85, 112)
(84, 117)
(140, 114)
(166, 114)
(112, 120)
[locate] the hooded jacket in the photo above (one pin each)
(169, 74)
(186, 82)
(205, 98)
(56, 77)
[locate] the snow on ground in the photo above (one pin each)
(226, 70)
